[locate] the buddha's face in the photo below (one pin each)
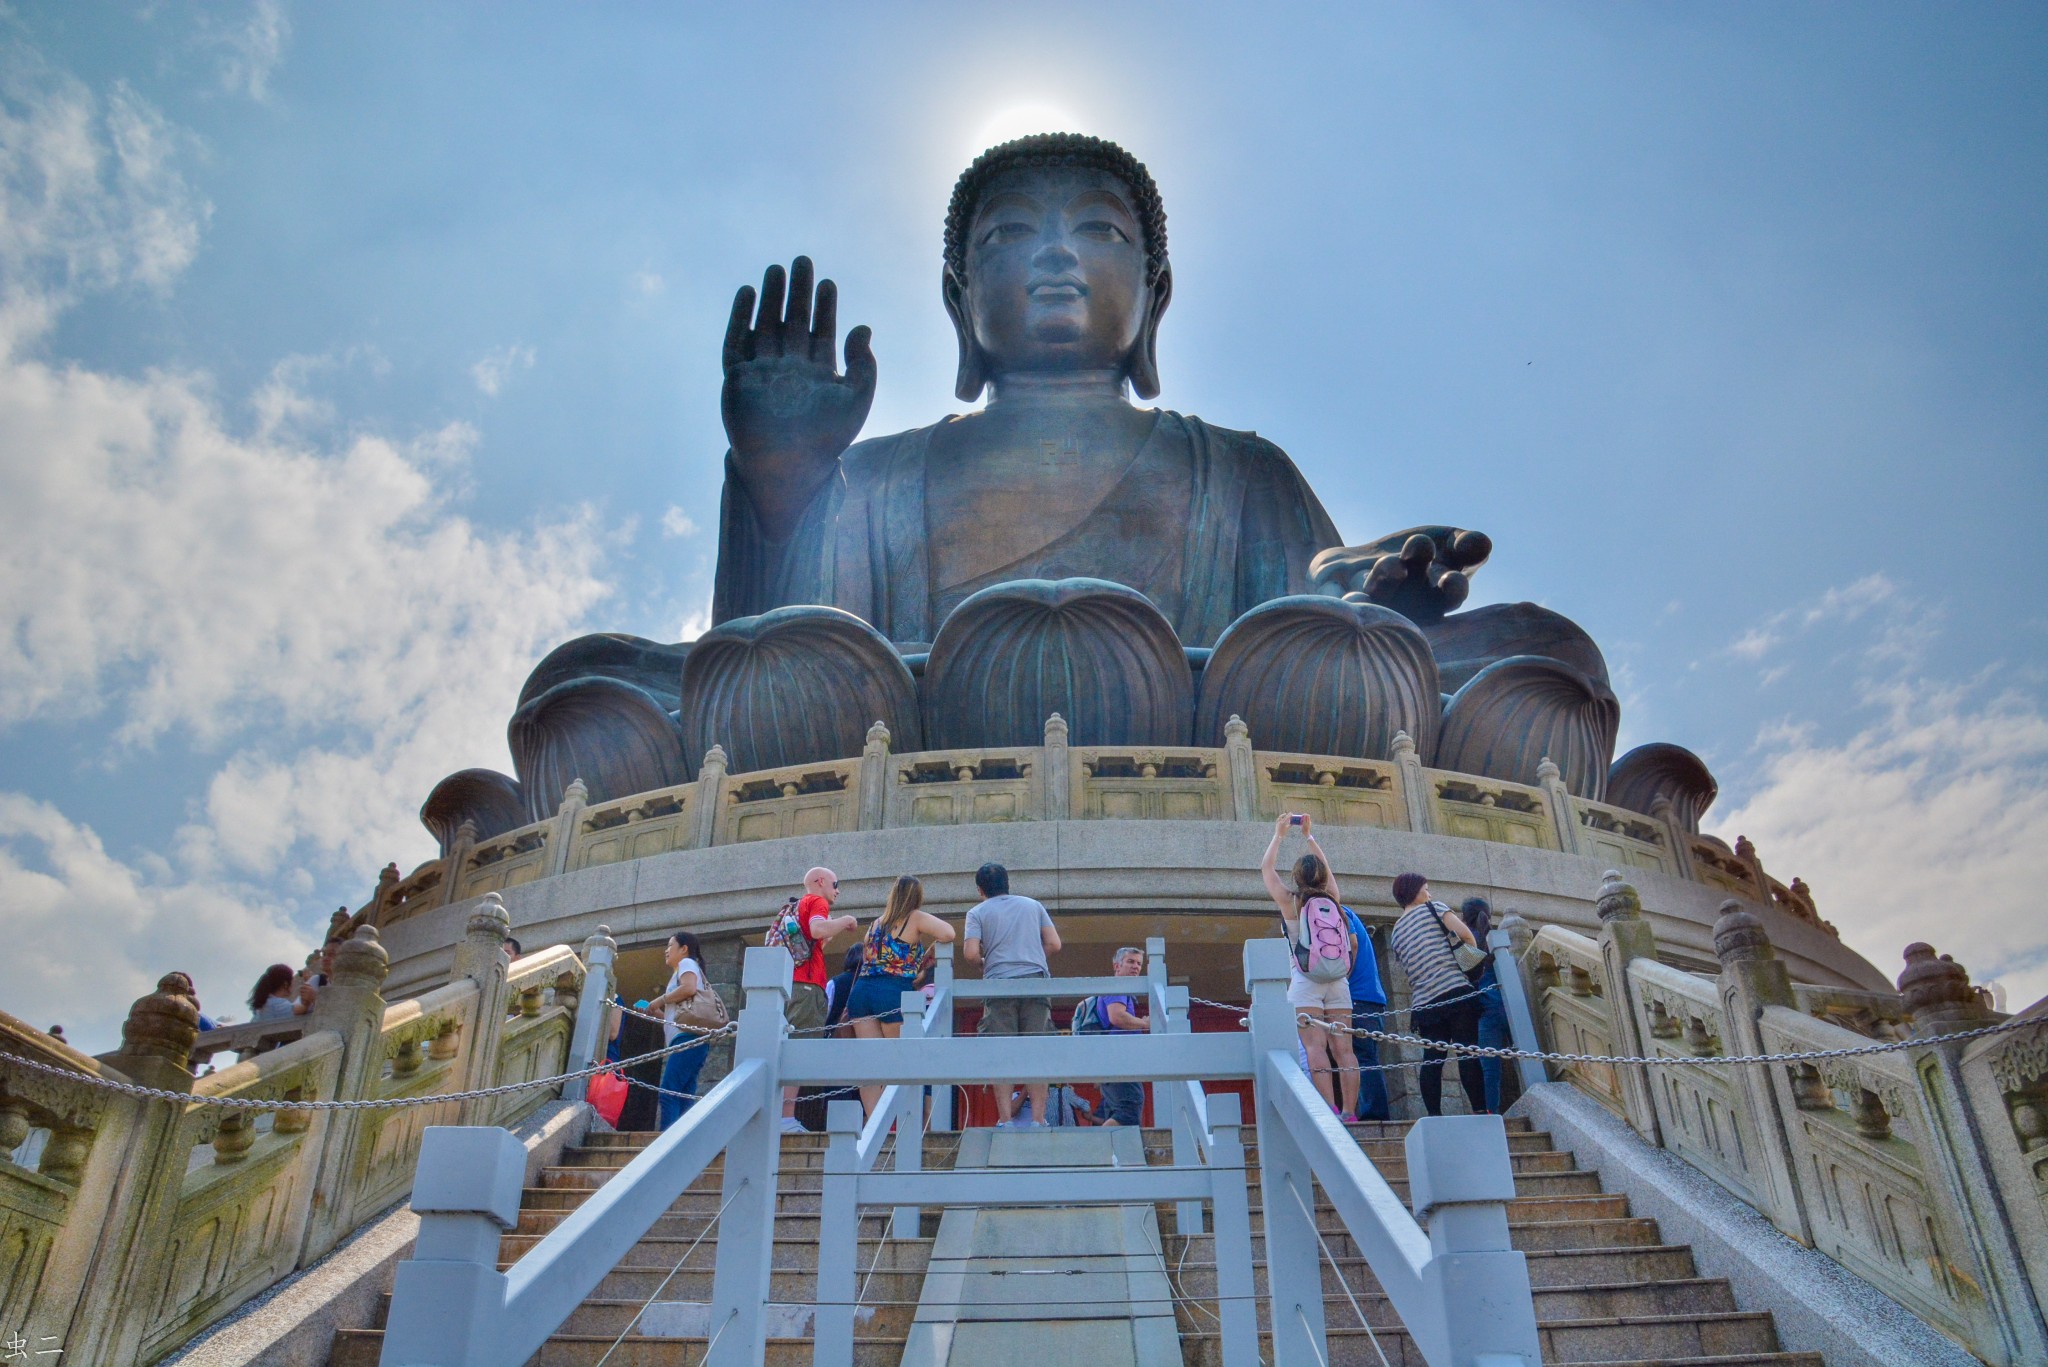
(1056, 272)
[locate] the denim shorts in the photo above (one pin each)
(877, 997)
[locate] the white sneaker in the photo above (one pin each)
(791, 1125)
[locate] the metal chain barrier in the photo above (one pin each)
(366, 1104)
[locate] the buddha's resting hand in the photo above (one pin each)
(788, 410)
(1421, 573)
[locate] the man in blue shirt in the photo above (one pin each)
(1368, 1012)
(1123, 1103)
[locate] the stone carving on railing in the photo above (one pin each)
(1876, 1160)
(1318, 675)
(148, 1220)
(1490, 809)
(1128, 783)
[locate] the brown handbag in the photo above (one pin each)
(702, 1011)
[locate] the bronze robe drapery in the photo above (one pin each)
(1237, 524)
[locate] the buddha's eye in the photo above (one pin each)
(1006, 232)
(1103, 230)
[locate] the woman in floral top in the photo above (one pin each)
(897, 946)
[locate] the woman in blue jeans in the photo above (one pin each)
(1493, 1011)
(895, 948)
(684, 956)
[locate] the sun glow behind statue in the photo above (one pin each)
(1024, 118)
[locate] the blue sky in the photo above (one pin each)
(352, 356)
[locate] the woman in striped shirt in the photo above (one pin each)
(1441, 1000)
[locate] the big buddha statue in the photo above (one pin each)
(1060, 548)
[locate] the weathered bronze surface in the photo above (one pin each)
(1056, 277)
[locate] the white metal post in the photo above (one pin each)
(909, 1120)
(449, 1298)
(838, 1238)
(1460, 1180)
(1294, 1273)
(593, 1009)
(1235, 1306)
(1173, 1096)
(939, 1023)
(1507, 973)
(746, 1233)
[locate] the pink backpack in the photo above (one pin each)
(1322, 941)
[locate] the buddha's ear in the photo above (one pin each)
(972, 377)
(1145, 356)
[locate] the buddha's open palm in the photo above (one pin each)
(789, 411)
(1421, 573)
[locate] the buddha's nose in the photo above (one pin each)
(1054, 254)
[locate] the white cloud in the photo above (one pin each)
(1847, 604)
(676, 523)
(493, 370)
(1931, 823)
(90, 195)
(648, 283)
(251, 52)
(303, 599)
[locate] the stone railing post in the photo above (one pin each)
(1415, 792)
(587, 1039)
(740, 1285)
(380, 901)
(1563, 815)
(352, 1006)
(1752, 978)
(1941, 1001)
(874, 779)
(1665, 813)
(562, 836)
(1059, 777)
(1745, 851)
(710, 793)
(1242, 766)
(455, 864)
(1625, 936)
(448, 1299)
(128, 1172)
(482, 959)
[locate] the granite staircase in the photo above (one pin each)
(1608, 1289)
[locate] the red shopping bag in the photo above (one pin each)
(607, 1096)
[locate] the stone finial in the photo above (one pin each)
(878, 735)
(1519, 932)
(164, 1024)
(1739, 935)
(1936, 988)
(1745, 850)
(338, 921)
(577, 794)
(715, 758)
(1403, 746)
(362, 960)
(465, 834)
(1055, 729)
(1547, 771)
(1618, 900)
(1235, 730)
(489, 920)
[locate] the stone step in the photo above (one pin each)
(1622, 1300)
(685, 1229)
(1733, 1340)
(361, 1347)
(641, 1271)
(1548, 1268)
(611, 1311)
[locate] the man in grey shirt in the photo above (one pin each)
(1010, 936)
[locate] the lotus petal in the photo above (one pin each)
(1097, 653)
(487, 799)
(653, 666)
(797, 685)
(1322, 676)
(1649, 772)
(1517, 711)
(614, 736)
(1467, 642)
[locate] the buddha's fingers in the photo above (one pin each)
(798, 318)
(739, 329)
(768, 323)
(825, 323)
(860, 363)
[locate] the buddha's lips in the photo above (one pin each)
(1057, 289)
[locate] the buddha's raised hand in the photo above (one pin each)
(1421, 573)
(788, 410)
